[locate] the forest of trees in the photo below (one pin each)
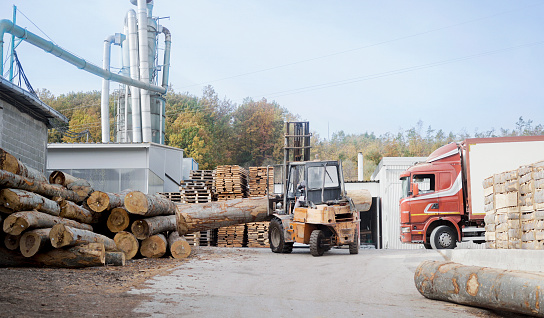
(217, 131)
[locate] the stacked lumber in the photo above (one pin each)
(46, 222)
(518, 208)
(196, 191)
(232, 236)
(507, 223)
(230, 182)
(257, 234)
(490, 213)
(258, 177)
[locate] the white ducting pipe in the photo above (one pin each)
(6, 26)
(134, 73)
(126, 72)
(105, 101)
(360, 169)
(144, 70)
(166, 61)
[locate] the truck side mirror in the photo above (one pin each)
(415, 188)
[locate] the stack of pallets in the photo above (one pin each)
(230, 182)
(257, 234)
(198, 190)
(507, 220)
(490, 213)
(257, 181)
(232, 236)
(173, 196)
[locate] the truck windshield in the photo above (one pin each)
(405, 186)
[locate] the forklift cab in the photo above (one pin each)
(313, 182)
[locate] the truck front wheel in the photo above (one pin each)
(443, 237)
(276, 238)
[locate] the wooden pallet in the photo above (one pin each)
(172, 196)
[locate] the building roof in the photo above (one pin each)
(28, 103)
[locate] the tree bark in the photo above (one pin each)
(21, 200)
(81, 187)
(64, 179)
(154, 246)
(361, 198)
(118, 220)
(35, 241)
(11, 164)
(12, 242)
(70, 210)
(115, 258)
(179, 247)
(100, 201)
(10, 180)
(148, 205)
(127, 243)
(62, 235)
(207, 216)
(17, 222)
(84, 255)
(144, 228)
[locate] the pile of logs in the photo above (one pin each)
(514, 204)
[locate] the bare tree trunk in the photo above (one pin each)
(115, 258)
(118, 220)
(207, 216)
(21, 200)
(62, 235)
(100, 201)
(73, 211)
(35, 241)
(10, 180)
(144, 228)
(179, 247)
(12, 242)
(17, 222)
(154, 246)
(148, 205)
(9, 163)
(127, 243)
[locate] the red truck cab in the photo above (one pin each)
(431, 206)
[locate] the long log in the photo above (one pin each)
(148, 205)
(207, 216)
(12, 242)
(73, 211)
(17, 222)
(127, 243)
(100, 201)
(144, 228)
(115, 258)
(154, 246)
(63, 178)
(35, 241)
(22, 200)
(118, 220)
(9, 163)
(361, 198)
(179, 247)
(84, 255)
(81, 187)
(10, 180)
(62, 235)
(515, 291)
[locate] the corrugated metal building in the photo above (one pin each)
(388, 174)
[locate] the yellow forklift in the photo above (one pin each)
(313, 208)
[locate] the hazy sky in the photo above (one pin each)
(358, 66)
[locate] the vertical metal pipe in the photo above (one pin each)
(144, 70)
(360, 169)
(134, 73)
(11, 58)
(166, 60)
(105, 100)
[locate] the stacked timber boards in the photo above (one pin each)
(231, 182)
(514, 204)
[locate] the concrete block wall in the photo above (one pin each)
(23, 136)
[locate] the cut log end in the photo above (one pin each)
(154, 246)
(12, 242)
(180, 249)
(57, 177)
(34, 241)
(60, 236)
(118, 220)
(140, 229)
(14, 225)
(98, 201)
(115, 258)
(136, 202)
(127, 243)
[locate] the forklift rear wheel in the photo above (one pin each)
(443, 237)
(277, 239)
(316, 243)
